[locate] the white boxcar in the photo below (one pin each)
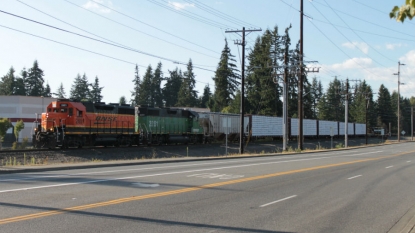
(309, 127)
(324, 128)
(349, 128)
(266, 126)
(360, 129)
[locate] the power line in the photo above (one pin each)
(219, 14)
(85, 50)
(345, 35)
(191, 15)
(149, 25)
(131, 28)
(104, 42)
(359, 36)
(361, 31)
(342, 12)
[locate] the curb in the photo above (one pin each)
(406, 224)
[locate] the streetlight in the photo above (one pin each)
(399, 98)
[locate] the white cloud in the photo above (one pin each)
(393, 46)
(360, 45)
(93, 5)
(180, 6)
(354, 63)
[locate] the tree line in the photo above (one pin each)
(271, 53)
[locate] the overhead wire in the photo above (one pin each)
(348, 39)
(360, 19)
(134, 29)
(360, 36)
(101, 41)
(149, 25)
(219, 14)
(191, 15)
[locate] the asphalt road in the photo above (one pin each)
(360, 190)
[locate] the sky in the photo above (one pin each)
(348, 39)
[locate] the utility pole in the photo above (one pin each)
(241, 135)
(300, 85)
(399, 99)
(346, 113)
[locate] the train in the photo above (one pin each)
(71, 123)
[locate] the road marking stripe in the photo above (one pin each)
(354, 177)
(185, 190)
(388, 167)
(408, 161)
(185, 165)
(278, 201)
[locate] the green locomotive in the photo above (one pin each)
(168, 125)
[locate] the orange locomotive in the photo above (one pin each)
(68, 123)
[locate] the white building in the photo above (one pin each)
(26, 108)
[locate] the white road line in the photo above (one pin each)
(354, 177)
(408, 161)
(388, 167)
(176, 166)
(160, 174)
(278, 201)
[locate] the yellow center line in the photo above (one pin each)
(179, 191)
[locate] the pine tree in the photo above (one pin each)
(187, 96)
(226, 79)
(385, 114)
(34, 80)
(157, 96)
(80, 88)
(24, 75)
(145, 95)
(123, 100)
(263, 94)
(7, 83)
(362, 99)
(331, 105)
(61, 92)
(172, 87)
(47, 91)
(19, 87)
(316, 94)
(136, 91)
(96, 91)
(204, 99)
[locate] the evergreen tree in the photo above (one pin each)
(360, 101)
(316, 94)
(331, 105)
(204, 99)
(145, 96)
(385, 114)
(123, 100)
(235, 104)
(157, 96)
(136, 91)
(172, 87)
(96, 91)
(47, 91)
(61, 92)
(24, 75)
(80, 88)
(226, 79)
(262, 93)
(187, 96)
(34, 80)
(7, 83)
(19, 87)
